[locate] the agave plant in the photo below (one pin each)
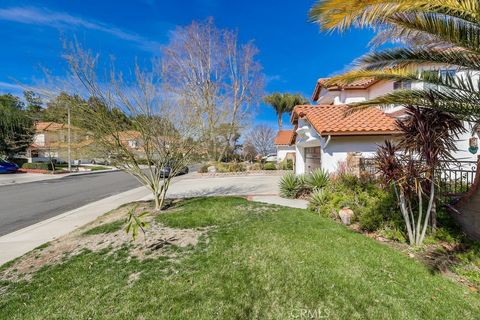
(290, 185)
(432, 32)
(318, 179)
(318, 198)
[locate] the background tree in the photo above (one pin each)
(151, 120)
(34, 105)
(57, 108)
(16, 127)
(437, 33)
(261, 137)
(207, 70)
(249, 152)
(228, 141)
(283, 103)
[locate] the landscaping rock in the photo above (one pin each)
(346, 215)
(212, 169)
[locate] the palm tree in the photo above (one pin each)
(432, 32)
(283, 103)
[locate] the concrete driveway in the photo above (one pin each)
(197, 186)
(193, 185)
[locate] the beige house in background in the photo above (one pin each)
(51, 142)
(284, 143)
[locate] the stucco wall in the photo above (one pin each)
(310, 138)
(339, 147)
(282, 152)
(379, 89)
(350, 96)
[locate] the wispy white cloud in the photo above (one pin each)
(273, 77)
(62, 20)
(13, 88)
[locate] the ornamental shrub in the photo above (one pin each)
(290, 185)
(269, 166)
(38, 165)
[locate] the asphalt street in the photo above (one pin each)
(24, 204)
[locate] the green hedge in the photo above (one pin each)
(19, 161)
(269, 166)
(38, 165)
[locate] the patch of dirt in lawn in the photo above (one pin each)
(153, 244)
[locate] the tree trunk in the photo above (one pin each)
(433, 214)
(158, 204)
(433, 221)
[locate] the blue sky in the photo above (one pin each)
(293, 52)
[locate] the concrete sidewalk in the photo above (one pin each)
(18, 178)
(292, 203)
(24, 240)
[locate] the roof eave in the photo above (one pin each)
(361, 133)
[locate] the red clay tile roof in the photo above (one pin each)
(50, 126)
(331, 120)
(355, 85)
(129, 135)
(284, 137)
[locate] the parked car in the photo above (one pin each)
(7, 167)
(270, 158)
(100, 161)
(165, 171)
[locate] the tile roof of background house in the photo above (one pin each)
(355, 85)
(50, 126)
(332, 120)
(284, 137)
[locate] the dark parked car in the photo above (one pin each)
(165, 171)
(7, 167)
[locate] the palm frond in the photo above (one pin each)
(432, 30)
(417, 57)
(450, 101)
(343, 14)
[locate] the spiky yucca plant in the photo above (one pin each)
(290, 185)
(318, 198)
(318, 179)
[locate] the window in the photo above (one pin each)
(39, 139)
(444, 75)
(447, 74)
(133, 144)
(402, 85)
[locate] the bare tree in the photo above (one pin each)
(159, 131)
(249, 151)
(206, 69)
(261, 137)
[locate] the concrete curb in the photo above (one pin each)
(19, 242)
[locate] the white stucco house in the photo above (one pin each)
(325, 138)
(285, 145)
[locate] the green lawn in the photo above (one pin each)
(258, 261)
